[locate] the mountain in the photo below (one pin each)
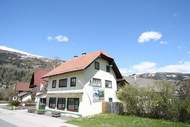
(18, 52)
(18, 66)
(152, 79)
(164, 76)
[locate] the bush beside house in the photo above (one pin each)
(163, 102)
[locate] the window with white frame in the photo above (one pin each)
(73, 81)
(73, 104)
(63, 82)
(54, 83)
(52, 102)
(97, 65)
(61, 103)
(108, 68)
(96, 82)
(108, 84)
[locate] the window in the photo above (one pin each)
(110, 100)
(96, 82)
(43, 101)
(54, 84)
(52, 102)
(108, 84)
(73, 81)
(61, 103)
(97, 65)
(108, 68)
(73, 104)
(63, 82)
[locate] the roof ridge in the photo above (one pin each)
(77, 63)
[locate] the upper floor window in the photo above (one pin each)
(108, 68)
(108, 84)
(96, 82)
(54, 84)
(63, 82)
(73, 81)
(97, 65)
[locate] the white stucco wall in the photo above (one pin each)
(26, 98)
(84, 79)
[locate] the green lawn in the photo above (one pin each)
(110, 120)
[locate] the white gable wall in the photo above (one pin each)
(88, 107)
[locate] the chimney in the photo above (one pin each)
(84, 53)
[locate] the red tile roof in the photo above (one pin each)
(81, 63)
(22, 86)
(37, 77)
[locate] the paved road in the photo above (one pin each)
(21, 118)
(6, 124)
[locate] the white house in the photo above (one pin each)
(80, 85)
(23, 92)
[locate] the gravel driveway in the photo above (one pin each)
(21, 118)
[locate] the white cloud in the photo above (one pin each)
(149, 36)
(152, 67)
(59, 38)
(183, 67)
(125, 71)
(50, 38)
(163, 42)
(144, 67)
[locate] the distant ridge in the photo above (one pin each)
(163, 76)
(22, 53)
(18, 66)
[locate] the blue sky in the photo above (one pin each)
(64, 28)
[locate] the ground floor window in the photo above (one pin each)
(61, 103)
(43, 101)
(110, 99)
(73, 104)
(52, 102)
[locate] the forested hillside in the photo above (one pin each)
(16, 67)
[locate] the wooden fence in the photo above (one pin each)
(112, 107)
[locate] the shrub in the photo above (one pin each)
(41, 111)
(158, 102)
(42, 106)
(14, 103)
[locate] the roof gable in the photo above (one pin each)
(37, 77)
(22, 86)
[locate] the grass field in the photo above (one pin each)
(110, 120)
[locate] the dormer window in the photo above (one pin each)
(107, 68)
(54, 84)
(97, 65)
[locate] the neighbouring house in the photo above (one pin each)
(23, 92)
(80, 85)
(38, 85)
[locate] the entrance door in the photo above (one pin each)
(73, 104)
